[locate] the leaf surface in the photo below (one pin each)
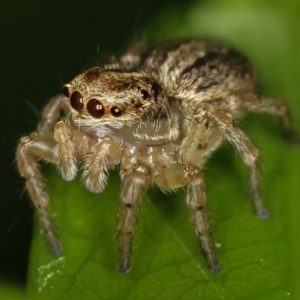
(259, 259)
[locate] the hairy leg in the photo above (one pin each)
(195, 143)
(42, 147)
(187, 172)
(135, 185)
(104, 156)
(273, 106)
(182, 174)
(52, 113)
(65, 151)
(196, 199)
(133, 54)
(249, 153)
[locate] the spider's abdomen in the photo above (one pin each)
(200, 68)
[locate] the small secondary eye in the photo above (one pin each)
(76, 101)
(66, 91)
(145, 94)
(115, 111)
(95, 108)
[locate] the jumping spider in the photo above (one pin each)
(158, 113)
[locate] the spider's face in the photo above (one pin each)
(102, 97)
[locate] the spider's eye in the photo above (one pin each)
(66, 91)
(115, 111)
(95, 108)
(145, 94)
(76, 101)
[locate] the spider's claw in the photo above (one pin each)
(263, 214)
(56, 246)
(292, 137)
(125, 268)
(212, 262)
(214, 268)
(57, 250)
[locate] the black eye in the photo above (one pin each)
(66, 91)
(145, 94)
(115, 111)
(95, 108)
(76, 101)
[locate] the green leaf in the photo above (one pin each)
(11, 292)
(259, 259)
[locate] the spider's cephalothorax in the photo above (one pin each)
(158, 114)
(109, 102)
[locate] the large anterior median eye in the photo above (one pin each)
(95, 108)
(76, 101)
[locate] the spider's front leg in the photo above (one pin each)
(43, 146)
(103, 156)
(65, 151)
(52, 113)
(135, 183)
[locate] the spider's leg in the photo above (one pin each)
(196, 199)
(133, 55)
(65, 151)
(39, 146)
(181, 174)
(104, 155)
(192, 150)
(52, 113)
(187, 172)
(135, 185)
(274, 106)
(249, 153)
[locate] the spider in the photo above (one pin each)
(159, 114)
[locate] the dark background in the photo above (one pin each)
(43, 45)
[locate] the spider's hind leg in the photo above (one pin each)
(273, 106)
(249, 153)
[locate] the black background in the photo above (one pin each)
(43, 45)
